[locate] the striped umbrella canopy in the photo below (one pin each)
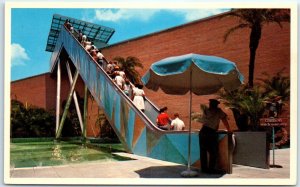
(199, 74)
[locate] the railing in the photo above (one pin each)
(151, 111)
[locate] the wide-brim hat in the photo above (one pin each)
(214, 101)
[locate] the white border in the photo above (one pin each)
(178, 5)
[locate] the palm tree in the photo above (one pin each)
(129, 64)
(278, 85)
(254, 19)
(247, 105)
(232, 100)
(253, 104)
(198, 116)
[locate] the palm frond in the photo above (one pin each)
(277, 15)
(278, 85)
(233, 13)
(231, 30)
(129, 64)
(134, 61)
(196, 116)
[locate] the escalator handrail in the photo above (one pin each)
(153, 105)
(123, 95)
(146, 98)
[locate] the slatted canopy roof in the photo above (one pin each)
(96, 33)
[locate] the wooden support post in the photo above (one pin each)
(67, 105)
(75, 97)
(85, 112)
(58, 83)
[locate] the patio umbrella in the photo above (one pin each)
(194, 73)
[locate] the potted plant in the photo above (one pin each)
(248, 106)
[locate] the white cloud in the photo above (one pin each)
(124, 14)
(18, 55)
(194, 14)
(116, 15)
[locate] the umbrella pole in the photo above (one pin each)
(189, 172)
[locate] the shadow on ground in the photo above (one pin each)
(170, 172)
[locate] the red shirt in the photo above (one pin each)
(163, 119)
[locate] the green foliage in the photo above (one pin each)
(278, 85)
(129, 64)
(106, 131)
(249, 104)
(197, 116)
(72, 126)
(31, 121)
(253, 105)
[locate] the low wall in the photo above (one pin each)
(251, 149)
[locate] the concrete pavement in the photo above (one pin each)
(143, 167)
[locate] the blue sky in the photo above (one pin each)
(30, 28)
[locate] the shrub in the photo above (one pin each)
(29, 121)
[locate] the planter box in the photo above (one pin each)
(251, 149)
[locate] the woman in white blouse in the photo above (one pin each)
(138, 97)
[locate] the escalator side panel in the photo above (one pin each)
(136, 130)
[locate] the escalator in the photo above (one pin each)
(136, 130)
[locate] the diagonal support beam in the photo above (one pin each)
(85, 112)
(75, 96)
(67, 106)
(58, 83)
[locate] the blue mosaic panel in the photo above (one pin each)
(165, 150)
(117, 111)
(140, 147)
(130, 127)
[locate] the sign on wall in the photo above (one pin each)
(273, 122)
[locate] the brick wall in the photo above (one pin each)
(206, 37)
(31, 90)
(40, 90)
(202, 37)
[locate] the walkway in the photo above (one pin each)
(143, 167)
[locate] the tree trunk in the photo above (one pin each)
(251, 67)
(254, 41)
